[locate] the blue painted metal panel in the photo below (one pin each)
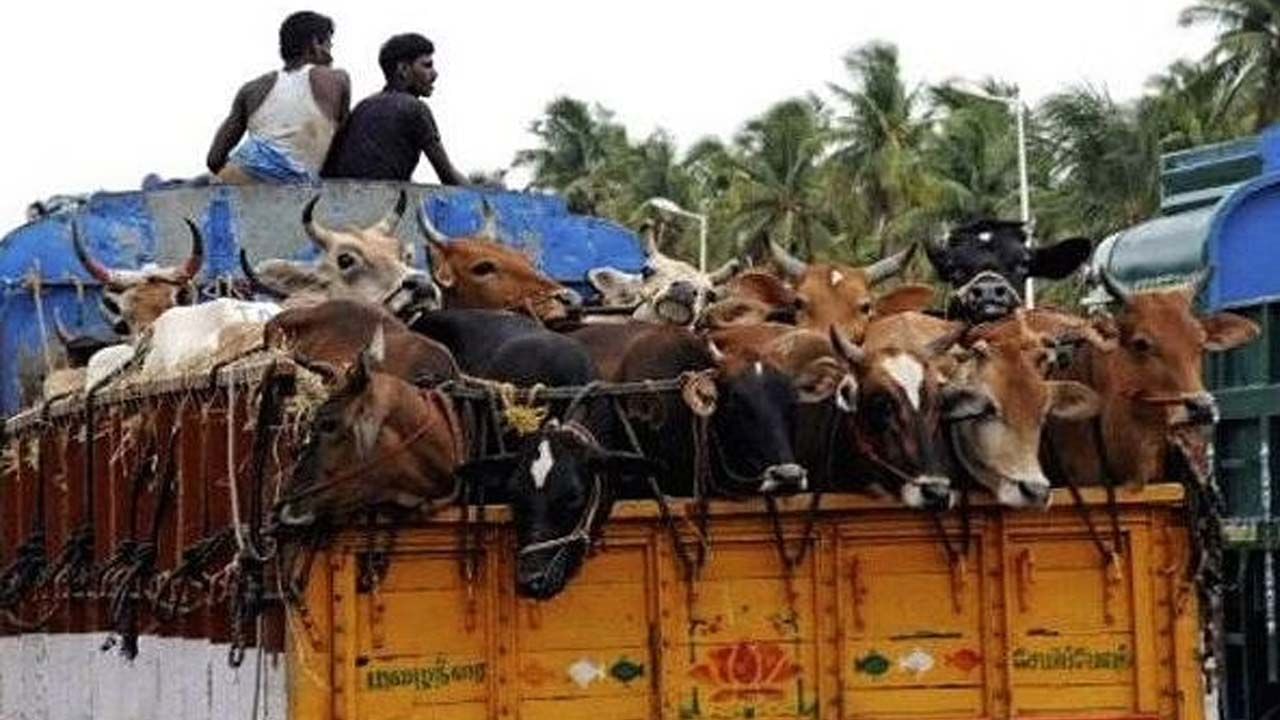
(129, 229)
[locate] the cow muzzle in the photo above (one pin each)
(1034, 493)
(417, 293)
(784, 478)
(988, 296)
(1201, 409)
(928, 492)
(677, 304)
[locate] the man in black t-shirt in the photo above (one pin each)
(389, 130)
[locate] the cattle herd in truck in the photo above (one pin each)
(815, 377)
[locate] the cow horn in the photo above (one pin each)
(1113, 287)
(489, 230)
(650, 234)
(322, 235)
(1197, 282)
(428, 228)
(847, 349)
(886, 268)
(257, 282)
(100, 272)
(790, 265)
(64, 336)
(195, 260)
(387, 225)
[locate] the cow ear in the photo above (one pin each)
(937, 254)
(1060, 259)
(815, 383)
(1070, 400)
(611, 282)
(964, 403)
(905, 298)
(289, 277)
(441, 270)
(1225, 331)
(371, 358)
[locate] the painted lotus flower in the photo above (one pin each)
(746, 671)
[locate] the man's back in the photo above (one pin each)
(383, 138)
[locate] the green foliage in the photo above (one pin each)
(873, 164)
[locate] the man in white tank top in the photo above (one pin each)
(290, 115)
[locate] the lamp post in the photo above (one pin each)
(1015, 106)
(669, 206)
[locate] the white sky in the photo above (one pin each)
(100, 93)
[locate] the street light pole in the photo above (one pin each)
(1024, 190)
(669, 206)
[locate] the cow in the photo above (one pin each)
(1147, 369)
(996, 403)
(881, 433)
(368, 263)
(560, 477)
(751, 406)
(377, 443)
(840, 295)
(481, 273)
(133, 299)
(987, 263)
(667, 290)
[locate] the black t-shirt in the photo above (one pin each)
(383, 139)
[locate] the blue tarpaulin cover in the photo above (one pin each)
(129, 229)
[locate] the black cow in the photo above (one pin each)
(557, 479)
(988, 262)
(749, 436)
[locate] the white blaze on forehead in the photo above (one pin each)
(836, 277)
(541, 465)
(908, 373)
(759, 368)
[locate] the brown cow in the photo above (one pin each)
(334, 332)
(479, 272)
(133, 299)
(1148, 372)
(379, 442)
(368, 263)
(840, 295)
(998, 403)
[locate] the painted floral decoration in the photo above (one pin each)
(746, 671)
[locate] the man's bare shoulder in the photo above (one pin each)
(330, 75)
(255, 91)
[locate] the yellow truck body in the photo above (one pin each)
(876, 622)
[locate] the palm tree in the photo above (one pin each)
(973, 155)
(582, 148)
(879, 135)
(1248, 48)
(1190, 105)
(775, 191)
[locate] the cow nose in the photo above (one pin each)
(571, 298)
(1035, 494)
(423, 290)
(937, 496)
(682, 292)
(785, 477)
(1201, 409)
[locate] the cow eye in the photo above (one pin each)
(484, 267)
(879, 411)
(346, 261)
(327, 426)
(865, 307)
(1141, 344)
(182, 296)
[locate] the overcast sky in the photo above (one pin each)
(100, 93)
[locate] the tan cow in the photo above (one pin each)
(1148, 370)
(378, 442)
(834, 294)
(133, 299)
(368, 263)
(480, 272)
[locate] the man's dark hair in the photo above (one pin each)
(299, 29)
(402, 48)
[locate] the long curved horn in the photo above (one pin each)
(650, 236)
(725, 271)
(100, 272)
(428, 228)
(258, 283)
(195, 260)
(1113, 287)
(64, 336)
(791, 265)
(387, 225)
(846, 349)
(886, 268)
(488, 231)
(322, 235)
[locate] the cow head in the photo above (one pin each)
(369, 264)
(752, 406)
(995, 406)
(133, 299)
(1149, 374)
(377, 442)
(480, 272)
(834, 294)
(894, 429)
(987, 263)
